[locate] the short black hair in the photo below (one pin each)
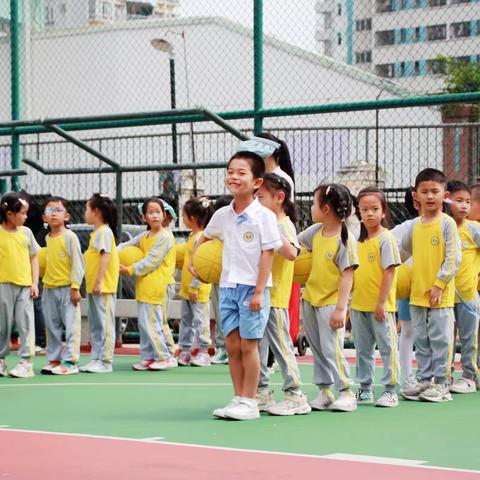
(256, 163)
(457, 186)
(431, 175)
(56, 200)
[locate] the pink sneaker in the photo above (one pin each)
(201, 359)
(171, 362)
(185, 358)
(143, 365)
(158, 365)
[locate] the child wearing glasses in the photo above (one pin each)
(61, 297)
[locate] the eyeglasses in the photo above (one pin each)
(50, 211)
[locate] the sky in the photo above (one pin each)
(289, 20)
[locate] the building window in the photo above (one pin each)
(460, 29)
(403, 35)
(434, 67)
(63, 9)
(416, 68)
(363, 25)
(385, 6)
(436, 3)
(457, 2)
(416, 34)
(386, 70)
(385, 37)
(403, 4)
(92, 9)
(107, 12)
(363, 57)
(417, 3)
(402, 69)
(339, 38)
(49, 16)
(339, 8)
(436, 32)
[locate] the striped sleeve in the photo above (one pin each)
(305, 238)
(347, 255)
(133, 242)
(389, 254)
(102, 242)
(154, 257)
(474, 228)
(77, 268)
(33, 246)
(453, 253)
(406, 243)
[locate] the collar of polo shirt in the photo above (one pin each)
(248, 212)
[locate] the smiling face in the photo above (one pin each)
(371, 211)
(240, 180)
(430, 195)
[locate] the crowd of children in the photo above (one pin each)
(426, 269)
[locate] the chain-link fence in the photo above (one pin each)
(92, 57)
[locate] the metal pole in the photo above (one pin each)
(173, 104)
(257, 65)
(15, 87)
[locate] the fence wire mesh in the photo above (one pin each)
(96, 57)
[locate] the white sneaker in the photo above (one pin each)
(185, 358)
(65, 368)
(158, 365)
(24, 369)
(412, 391)
(142, 366)
(436, 393)
(201, 359)
(264, 398)
(292, 404)
(171, 362)
(323, 400)
(220, 412)
(100, 367)
(87, 366)
(3, 368)
(220, 357)
(388, 399)
(463, 385)
(346, 402)
(39, 350)
(245, 409)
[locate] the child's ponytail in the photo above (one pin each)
(107, 208)
(200, 208)
(272, 181)
(281, 155)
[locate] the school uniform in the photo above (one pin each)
(101, 308)
(16, 304)
(330, 257)
(245, 236)
(436, 254)
(169, 262)
(277, 331)
(64, 271)
(375, 255)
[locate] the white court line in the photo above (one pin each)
(339, 456)
(153, 439)
(350, 457)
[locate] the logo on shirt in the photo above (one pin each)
(435, 241)
(248, 236)
(466, 244)
(371, 257)
(329, 255)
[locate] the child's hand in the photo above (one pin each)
(124, 270)
(192, 270)
(337, 319)
(380, 313)
(34, 293)
(97, 288)
(435, 294)
(75, 296)
(256, 301)
(193, 296)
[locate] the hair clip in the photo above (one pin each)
(104, 195)
(327, 191)
(23, 202)
(205, 202)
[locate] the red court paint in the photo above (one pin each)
(27, 455)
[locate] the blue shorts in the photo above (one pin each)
(404, 310)
(235, 312)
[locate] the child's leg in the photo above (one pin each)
(101, 315)
(331, 344)
(166, 326)
(440, 334)
(25, 322)
(235, 361)
(153, 333)
(278, 338)
(201, 323)
(51, 307)
(7, 302)
(364, 339)
(322, 375)
(405, 344)
(387, 341)
(146, 346)
(251, 366)
(423, 350)
(186, 333)
(468, 331)
(263, 347)
(214, 298)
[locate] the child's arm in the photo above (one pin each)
(76, 267)
(305, 238)
(386, 285)
(34, 265)
(453, 257)
(337, 319)
(264, 269)
(104, 259)
(290, 246)
(153, 259)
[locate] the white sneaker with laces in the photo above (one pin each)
(346, 402)
(87, 366)
(158, 365)
(412, 391)
(100, 367)
(171, 362)
(142, 365)
(3, 368)
(24, 369)
(201, 359)
(220, 412)
(264, 398)
(436, 393)
(292, 404)
(323, 400)
(245, 409)
(388, 399)
(463, 385)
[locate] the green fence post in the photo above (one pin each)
(257, 65)
(15, 86)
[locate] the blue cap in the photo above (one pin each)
(263, 147)
(169, 209)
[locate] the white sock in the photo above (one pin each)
(406, 350)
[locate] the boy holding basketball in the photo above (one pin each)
(250, 235)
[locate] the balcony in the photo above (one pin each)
(384, 6)
(385, 37)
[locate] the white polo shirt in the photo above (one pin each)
(244, 238)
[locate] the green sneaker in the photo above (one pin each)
(220, 357)
(364, 396)
(65, 368)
